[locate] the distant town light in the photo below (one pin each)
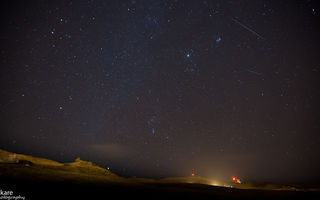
(236, 180)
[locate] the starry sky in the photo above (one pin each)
(162, 88)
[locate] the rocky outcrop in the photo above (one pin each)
(80, 162)
(7, 157)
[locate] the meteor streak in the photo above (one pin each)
(247, 28)
(254, 72)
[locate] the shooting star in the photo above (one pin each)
(247, 28)
(254, 72)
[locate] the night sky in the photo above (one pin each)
(163, 88)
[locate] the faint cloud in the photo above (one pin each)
(238, 157)
(110, 150)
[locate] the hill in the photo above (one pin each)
(38, 178)
(18, 166)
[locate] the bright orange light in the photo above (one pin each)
(238, 180)
(192, 174)
(233, 178)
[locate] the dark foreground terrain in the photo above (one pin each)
(69, 190)
(35, 178)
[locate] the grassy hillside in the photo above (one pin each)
(18, 165)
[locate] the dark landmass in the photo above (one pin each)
(37, 178)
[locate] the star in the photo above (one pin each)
(173, 76)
